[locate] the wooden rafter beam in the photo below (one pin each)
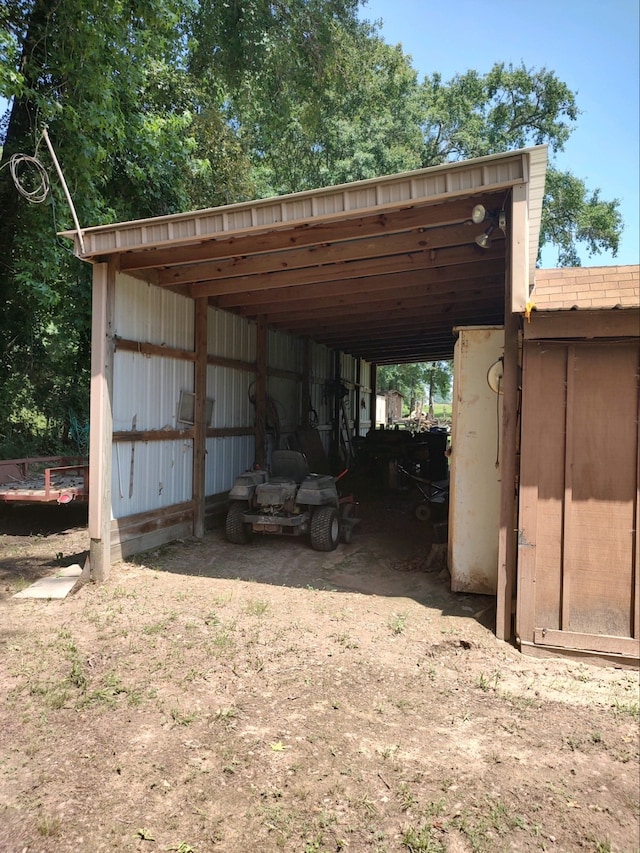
(284, 236)
(422, 260)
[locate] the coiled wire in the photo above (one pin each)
(39, 181)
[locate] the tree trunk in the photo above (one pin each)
(18, 139)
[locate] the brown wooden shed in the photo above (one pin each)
(578, 542)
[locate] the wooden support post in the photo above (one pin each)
(101, 418)
(261, 393)
(508, 471)
(199, 422)
(518, 250)
(358, 396)
(374, 395)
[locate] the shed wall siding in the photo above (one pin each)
(147, 313)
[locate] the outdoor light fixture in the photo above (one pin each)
(484, 240)
(497, 219)
(478, 214)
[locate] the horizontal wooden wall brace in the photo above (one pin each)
(178, 434)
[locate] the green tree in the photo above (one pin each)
(513, 107)
(421, 381)
(136, 96)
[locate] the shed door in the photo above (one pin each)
(578, 531)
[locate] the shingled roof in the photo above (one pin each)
(588, 288)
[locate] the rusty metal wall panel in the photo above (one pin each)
(150, 314)
(150, 475)
(230, 336)
(226, 458)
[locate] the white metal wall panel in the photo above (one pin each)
(226, 458)
(150, 475)
(149, 314)
(230, 336)
(147, 388)
(286, 395)
(229, 389)
(285, 352)
(321, 362)
(348, 368)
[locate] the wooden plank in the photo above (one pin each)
(568, 558)
(541, 489)
(423, 260)
(145, 348)
(518, 226)
(305, 235)
(200, 425)
(384, 245)
(430, 280)
(588, 642)
(601, 512)
(508, 491)
(583, 324)
(326, 308)
(100, 442)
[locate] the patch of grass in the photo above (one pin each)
(397, 623)
(421, 839)
(182, 719)
(626, 709)
(227, 716)
(256, 607)
(49, 827)
(107, 694)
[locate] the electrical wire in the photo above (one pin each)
(41, 184)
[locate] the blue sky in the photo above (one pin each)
(592, 46)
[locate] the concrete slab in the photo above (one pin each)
(56, 586)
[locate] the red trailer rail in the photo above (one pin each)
(44, 479)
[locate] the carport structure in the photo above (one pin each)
(374, 272)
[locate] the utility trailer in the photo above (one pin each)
(44, 479)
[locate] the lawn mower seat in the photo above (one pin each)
(289, 465)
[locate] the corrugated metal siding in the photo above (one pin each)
(158, 474)
(286, 396)
(229, 390)
(230, 336)
(148, 388)
(284, 352)
(150, 314)
(226, 458)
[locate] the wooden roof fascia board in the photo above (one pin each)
(425, 259)
(466, 177)
(298, 236)
(384, 245)
(429, 279)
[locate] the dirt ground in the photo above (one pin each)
(210, 697)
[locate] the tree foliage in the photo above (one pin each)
(422, 381)
(157, 106)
